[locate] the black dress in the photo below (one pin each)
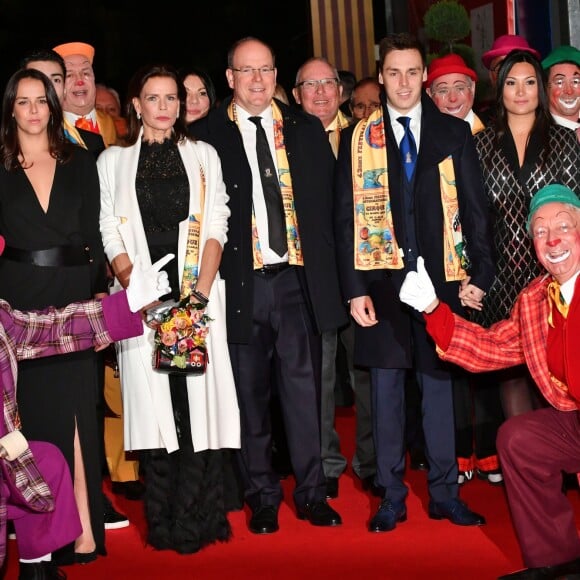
(184, 490)
(55, 392)
(510, 188)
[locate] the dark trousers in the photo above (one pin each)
(388, 401)
(364, 462)
(283, 346)
(534, 449)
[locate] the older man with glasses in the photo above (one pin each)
(281, 277)
(318, 91)
(451, 85)
(542, 332)
(366, 98)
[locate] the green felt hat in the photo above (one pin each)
(564, 53)
(553, 193)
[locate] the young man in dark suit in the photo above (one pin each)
(416, 185)
(280, 296)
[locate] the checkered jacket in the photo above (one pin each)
(27, 335)
(520, 339)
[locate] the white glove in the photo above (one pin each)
(417, 289)
(12, 445)
(146, 286)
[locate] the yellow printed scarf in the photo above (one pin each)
(375, 245)
(292, 234)
(191, 265)
(455, 258)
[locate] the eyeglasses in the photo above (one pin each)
(560, 229)
(311, 86)
(362, 108)
(573, 83)
(444, 92)
(249, 71)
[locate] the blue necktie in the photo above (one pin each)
(408, 148)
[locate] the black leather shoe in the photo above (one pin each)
(456, 512)
(418, 460)
(264, 520)
(331, 487)
(113, 519)
(40, 571)
(132, 490)
(368, 484)
(319, 513)
(566, 571)
(388, 515)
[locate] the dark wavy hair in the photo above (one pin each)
(544, 119)
(59, 146)
(136, 84)
(205, 79)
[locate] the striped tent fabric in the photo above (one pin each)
(343, 32)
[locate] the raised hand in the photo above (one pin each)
(147, 285)
(417, 290)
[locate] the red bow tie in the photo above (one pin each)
(87, 125)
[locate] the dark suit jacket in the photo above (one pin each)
(311, 167)
(387, 345)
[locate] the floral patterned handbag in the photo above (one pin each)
(180, 338)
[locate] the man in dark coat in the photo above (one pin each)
(278, 300)
(417, 190)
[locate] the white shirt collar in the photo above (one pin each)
(266, 114)
(470, 118)
(72, 117)
(398, 130)
(565, 122)
(567, 289)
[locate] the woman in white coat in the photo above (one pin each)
(149, 190)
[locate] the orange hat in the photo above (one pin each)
(75, 48)
(448, 64)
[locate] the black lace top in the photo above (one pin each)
(162, 187)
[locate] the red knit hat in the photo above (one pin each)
(503, 45)
(448, 64)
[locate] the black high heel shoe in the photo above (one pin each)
(85, 558)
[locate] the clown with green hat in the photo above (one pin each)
(542, 332)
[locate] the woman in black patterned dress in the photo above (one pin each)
(521, 152)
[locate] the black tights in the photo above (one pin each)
(519, 394)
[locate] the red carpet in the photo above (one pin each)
(418, 548)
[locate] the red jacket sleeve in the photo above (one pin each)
(440, 325)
